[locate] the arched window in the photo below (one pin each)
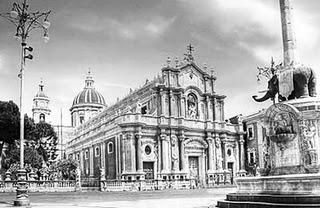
(110, 147)
(97, 151)
(42, 117)
(86, 154)
(192, 105)
(81, 119)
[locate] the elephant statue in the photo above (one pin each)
(304, 85)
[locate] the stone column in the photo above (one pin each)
(175, 153)
(242, 162)
(208, 117)
(123, 156)
(103, 154)
(81, 161)
(224, 145)
(139, 152)
(222, 110)
(163, 103)
(91, 161)
(159, 159)
(165, 150)
(215, 110)
(182, 153)
(132, 142)
(183, 106)
(219, 158)
(171, 104)
(210, 154)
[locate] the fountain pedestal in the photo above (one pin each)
(290, 173)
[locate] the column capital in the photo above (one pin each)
(241, 141)
(209, 139)
(173, 136)
(223, 135)
(138, 135)
(182, 138)
(164, 137)
(129, 136)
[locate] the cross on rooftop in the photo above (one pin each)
(188, 55)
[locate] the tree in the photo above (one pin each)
(40, 137)
(31, 157)
(9, 123)
(68, 168)
(46, 141)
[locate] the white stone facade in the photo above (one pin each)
(171, 128)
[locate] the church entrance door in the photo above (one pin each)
(148, 169)
(194, 167)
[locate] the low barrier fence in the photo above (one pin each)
(87, 184)
(42, 186)
(145, 185)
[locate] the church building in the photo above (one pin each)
(171, 128)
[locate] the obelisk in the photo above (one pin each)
(288, 35)
(289, 49)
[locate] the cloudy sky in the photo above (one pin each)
(124, 42)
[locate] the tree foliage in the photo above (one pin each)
(45, 140)
(31, 157)
(68, 168)
(9, 122)
(41, 139)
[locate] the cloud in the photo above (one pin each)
(1, 63)
(153, 28)
(159, 25)
(116, 85)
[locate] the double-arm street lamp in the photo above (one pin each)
(25, 21)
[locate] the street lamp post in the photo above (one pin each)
(25, 21)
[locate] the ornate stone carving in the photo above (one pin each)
(192, 104)
(175, 151)
(282, 123)
(308, 130)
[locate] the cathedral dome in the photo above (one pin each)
(87, 104)
(89, 95)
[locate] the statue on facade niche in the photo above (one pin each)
(192, 106)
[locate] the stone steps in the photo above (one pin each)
(263, 200)
(247, 204)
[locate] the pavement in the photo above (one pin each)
(196, 198)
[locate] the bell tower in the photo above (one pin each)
(40, 109)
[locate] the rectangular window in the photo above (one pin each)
(251, 158)
(250, 132)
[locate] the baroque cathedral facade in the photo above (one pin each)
(171, 128)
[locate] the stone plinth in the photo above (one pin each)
(284, 184)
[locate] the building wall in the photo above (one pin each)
(171, 128)
(255, 135)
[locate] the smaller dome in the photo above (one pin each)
(40, 93)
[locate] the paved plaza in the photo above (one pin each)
(197, 198)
